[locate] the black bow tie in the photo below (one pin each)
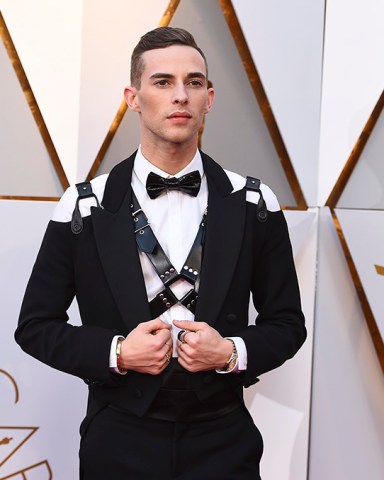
(189, 183)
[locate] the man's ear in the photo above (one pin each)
(130, 95)
(211, 96)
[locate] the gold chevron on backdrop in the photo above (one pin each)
(24, 197)
(35, 110)
(13, 382)
(379, 269)
(29, 432)
(16, 475)
(10, 436)
(164, 22)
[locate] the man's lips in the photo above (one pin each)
(180, 115)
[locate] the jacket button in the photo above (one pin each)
(208, 379)
(137, 393)
(231, 318)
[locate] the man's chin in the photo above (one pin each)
(182, 137)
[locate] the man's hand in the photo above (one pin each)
(147, 348)
(203, 347)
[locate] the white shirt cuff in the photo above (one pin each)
(242, 355)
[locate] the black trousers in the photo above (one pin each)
(120, 446)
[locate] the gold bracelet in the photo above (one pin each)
(118, 351)
(232, 360)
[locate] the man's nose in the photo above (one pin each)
(180, 94)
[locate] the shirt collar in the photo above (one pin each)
(143, 167)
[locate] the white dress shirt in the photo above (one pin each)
(174, 218)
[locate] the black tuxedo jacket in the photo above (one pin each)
(101, 267)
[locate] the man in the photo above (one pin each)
(162, 260)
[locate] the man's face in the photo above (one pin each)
(173, 97)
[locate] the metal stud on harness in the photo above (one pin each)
(148, 244)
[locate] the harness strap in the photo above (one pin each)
(192, 266)
(162, 302)
(148, 244)
(253, 184)
(84, 190)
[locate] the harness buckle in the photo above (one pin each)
(141, 229)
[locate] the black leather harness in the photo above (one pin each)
(148, 244)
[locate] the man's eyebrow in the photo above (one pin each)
(196, 75)
(170, 76)
(162, 75)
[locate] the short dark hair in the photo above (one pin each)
(161, 37)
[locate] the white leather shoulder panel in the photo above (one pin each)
(238, 183)
(64, 209)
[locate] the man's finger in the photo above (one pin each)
(164, 336)
(188, 325)
(154, 325)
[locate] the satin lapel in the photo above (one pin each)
(225, 227)
(117, 248)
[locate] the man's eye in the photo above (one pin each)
(162, 83)
(196, 83)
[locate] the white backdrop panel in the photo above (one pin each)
(347, 418)
(50, 400)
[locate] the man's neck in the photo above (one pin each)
(171, 159)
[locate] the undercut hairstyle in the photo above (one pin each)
(161, 37)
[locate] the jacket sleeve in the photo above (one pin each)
(43, 330)
(279, 330)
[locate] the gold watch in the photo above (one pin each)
(232, 360)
